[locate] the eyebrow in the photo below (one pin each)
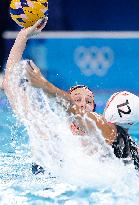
(87, 95)
(90, 96)
(77, 93)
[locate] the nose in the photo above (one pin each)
(83, 104)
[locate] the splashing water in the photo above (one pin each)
(55, 148)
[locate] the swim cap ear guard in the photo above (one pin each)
(122, 109)
(94, 107)
(79, 86)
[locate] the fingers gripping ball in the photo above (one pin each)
(26, 12)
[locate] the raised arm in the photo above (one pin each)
(20, 43)
(16, 55)
(37, 80)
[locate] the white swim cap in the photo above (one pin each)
(122, 109)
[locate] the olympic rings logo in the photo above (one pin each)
(94, 60)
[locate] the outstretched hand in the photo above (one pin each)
(36, 28)
(34, 75)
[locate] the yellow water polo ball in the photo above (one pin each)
(26, 12)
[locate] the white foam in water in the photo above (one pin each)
(60, 152)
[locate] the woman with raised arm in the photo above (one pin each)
(80, 98)
(16, 55)
(121, 112)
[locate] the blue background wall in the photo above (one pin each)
(102, 64)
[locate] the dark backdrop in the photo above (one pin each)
(82, 15)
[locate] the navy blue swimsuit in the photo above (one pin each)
(125, 147)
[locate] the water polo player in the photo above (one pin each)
(83, 111)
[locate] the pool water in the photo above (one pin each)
(18, 186)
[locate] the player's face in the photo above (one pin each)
(83, 98)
